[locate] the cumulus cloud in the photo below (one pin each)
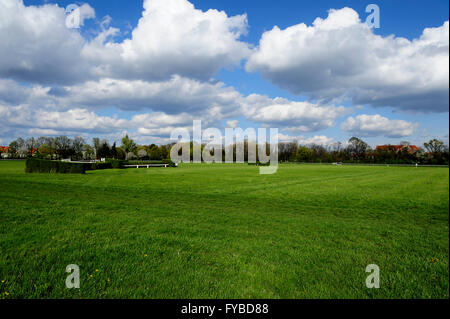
(232, 123)
(292, 115)
(172, 37)
(74, 120)
(179, 97)
(341, 57)
(377, 125)
(302, 140)
(175, 95)
(55, 81)
(37, 46)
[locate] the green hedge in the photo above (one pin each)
(115, 163)
(34, 165)
(99, 165)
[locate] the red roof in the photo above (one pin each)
(4, 148)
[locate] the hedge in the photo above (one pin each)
(115, 163)
(34, 165)
(98, 165)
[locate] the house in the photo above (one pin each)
(398, 148)
(4, 151)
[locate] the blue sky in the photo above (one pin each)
(244, 68)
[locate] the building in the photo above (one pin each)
(4, 151)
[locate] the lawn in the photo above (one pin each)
(224, 231)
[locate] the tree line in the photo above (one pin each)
(434, 152)
(354, 151)
(62, 147)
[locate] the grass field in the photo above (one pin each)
(224, 231)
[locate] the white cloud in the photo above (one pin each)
(302, 140)
(292, 115)
(167, 105)
(340, 56)
(74, 120)
(40, 48)
(377, 125)
(172, 96)
(172, 37)
(232, 123)
(86, 12)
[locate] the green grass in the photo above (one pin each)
(224, 231)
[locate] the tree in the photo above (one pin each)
(438, 152)
(88, 152)
(164, 149)
(97, 144)
(30, 145)
(435, 146)
(155, 153)
(357, 148)
(13, 148)
(305, 154)
(77, 144)
(63, 146)
(114, 151)
(46, 151)
(104, 151)
(121, 155)
(142, 153)
(128, 145)
(131, 156)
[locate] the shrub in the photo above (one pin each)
(99, 165)
(34, 165)
(115, 163)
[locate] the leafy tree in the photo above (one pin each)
(357, 148)
(435, 146)
(46, 151)
(64, 147)
(142, 153)
(88, 152)
(97, 144)
(30, 145)
(130, 156)
(304, 154)
(164, 149)
(128, 145)
(104, 151)
(13, 148)
(114, 151)
(155, 153)
(77, 144)
(121, 155)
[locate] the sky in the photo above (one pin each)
(313, 69)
